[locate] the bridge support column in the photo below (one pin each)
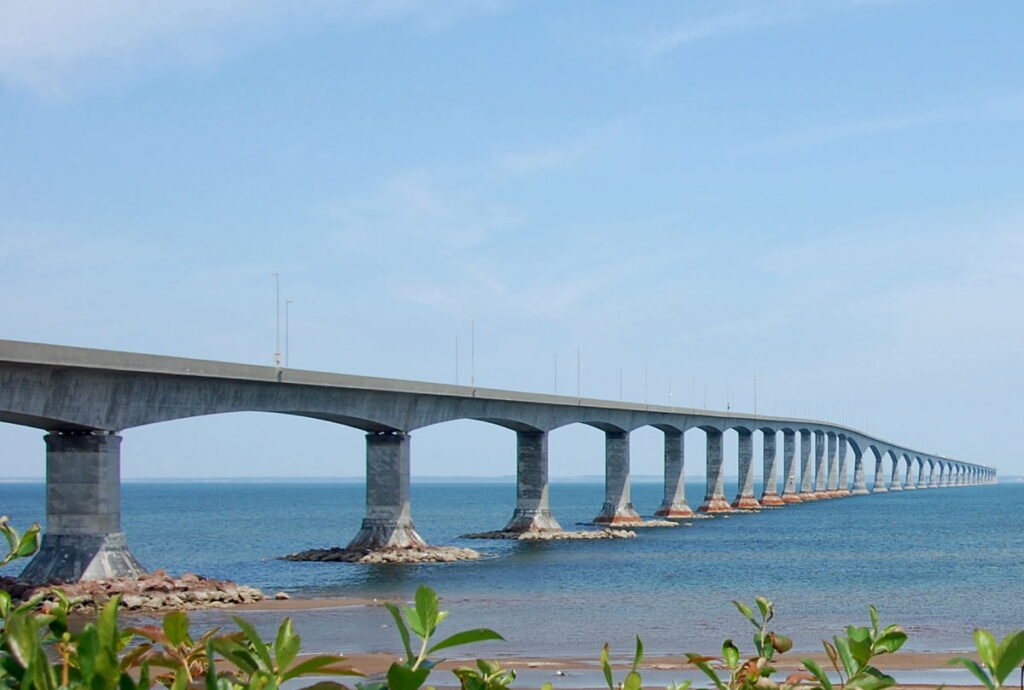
(83, 539)
(806, 468)
(879, 486)
(388, 522)
(894, 482)
(860, 486)
(932, 479)
(908, 481)
(843, 478)
(714, 497)
(618, 505)
(745, 496)
(820, 468)
(770, 472)
(832, 485)
(922, 480)
(533, 509)
(789, 491)
(674, 504)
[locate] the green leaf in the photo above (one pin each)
(211, 670)
(765, 607)
(874, 618)
(401, 677)
(986, 645)
(1010, 655)
(286, 645)
(833, 655)
(402, 630)
(318, 665)
(606, 667)
(859, 641)
(633, 681)
(843, 649)
(819, 673)
(29, 542)
(780, 643)
(176, 627)
(415, 624)
(978, 672)
(706, 669)
(256, 643)
(237, 654)
(730, 654)
(638, 655)
(747, 612)
(180, 680)
(889, 642)
(870, 679)
(427, 609)
(466, 637)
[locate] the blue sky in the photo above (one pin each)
(826, 195)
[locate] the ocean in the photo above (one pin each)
(939, 562)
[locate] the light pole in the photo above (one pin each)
(456, 359)
(472, 352)
(277, 316)
(287, 304)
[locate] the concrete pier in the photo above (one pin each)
(894, 478)
(843, 479)
(745, 496)
(806, 468)
(770, 471)
(714, 496)
(922, 479)
(674, 504)
(83, 538)
(388, 523)
(932, 477)
(832, 485)
(618, 504)
(533, 508)
(908, 481)
(860, 486)
(820, 468)
(879, 485)
(789, 488)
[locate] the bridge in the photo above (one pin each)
(84, 398)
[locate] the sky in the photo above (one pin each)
(817, 201)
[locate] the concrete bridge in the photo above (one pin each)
(84, 398)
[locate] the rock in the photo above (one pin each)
(281, 596)
(133, 602)
(429, 554)
(607, 533)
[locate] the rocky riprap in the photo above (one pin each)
(430, 554)
(156, 591)
(554, 536)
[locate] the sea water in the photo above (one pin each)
(938, 561)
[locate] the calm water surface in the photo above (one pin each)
(939, 562)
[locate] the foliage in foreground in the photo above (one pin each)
(39, 651)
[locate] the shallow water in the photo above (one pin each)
(940, 562)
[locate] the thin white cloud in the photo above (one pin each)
(47, 45)
(976, 108)
(562, 155)
(746, 17)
